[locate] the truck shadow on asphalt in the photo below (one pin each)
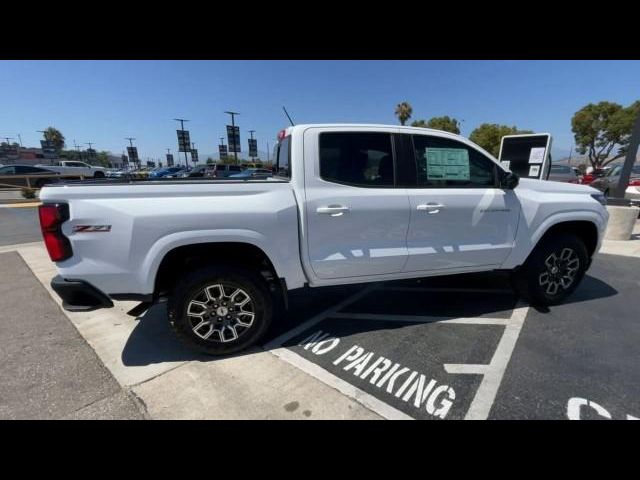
(152, 341)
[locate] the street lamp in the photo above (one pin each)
(233, 134)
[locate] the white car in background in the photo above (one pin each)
(72, 167)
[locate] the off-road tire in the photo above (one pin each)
(187, 292)
(529, 280)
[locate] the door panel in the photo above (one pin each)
(369, 237)
(468, 228)
(459, 218)
(356, 219)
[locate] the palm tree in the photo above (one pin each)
(403, 112)
(54, 135)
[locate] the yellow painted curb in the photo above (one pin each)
(21, 205)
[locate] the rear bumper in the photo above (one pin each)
(79, 296)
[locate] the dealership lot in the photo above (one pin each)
(443, 348)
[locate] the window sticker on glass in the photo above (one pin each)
(447, 163)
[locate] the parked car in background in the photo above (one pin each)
(608, 182)
(562, 173)
(44, 176)
(222, 170)
(199, 171)
(587, 178)
(168, 172)
(253, 173)
(252, 165)
(69, 167)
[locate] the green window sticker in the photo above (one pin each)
(447, 163)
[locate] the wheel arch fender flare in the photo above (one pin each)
(528, 239)
(167, 243)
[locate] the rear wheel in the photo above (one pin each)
(98, 175)
(220, 310)
(553, 270)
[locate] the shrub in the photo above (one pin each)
(28, 192)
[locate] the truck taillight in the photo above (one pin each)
(635, 183)
(52, 216)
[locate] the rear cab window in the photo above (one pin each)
(283, 158)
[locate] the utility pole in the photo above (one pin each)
(20, 140)
(182, 120)
(77, 149)
(570, 152)
(90, 151)
(268, 151)
(233, 125)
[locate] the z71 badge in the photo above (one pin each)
(91, 228)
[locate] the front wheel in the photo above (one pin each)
(553, 270)
(220, 310)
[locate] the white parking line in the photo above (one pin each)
(421, 318)
(492, 373)
(494, 291)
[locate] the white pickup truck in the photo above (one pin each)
(350, 204)
(72, 167)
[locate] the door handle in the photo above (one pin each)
(333, 210)
(430, 208)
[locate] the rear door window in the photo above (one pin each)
(359, 159)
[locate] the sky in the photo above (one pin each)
(105, 101)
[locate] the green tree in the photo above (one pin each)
(602, 131)
(489, 136)
(103, 159)
(446, 123)
(210, 161)
(403, 112)
(54, 135)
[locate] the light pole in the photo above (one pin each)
(135, 160)
(233, 136)
(182, 120)
(251, 132)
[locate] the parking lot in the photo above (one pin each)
(458, 347)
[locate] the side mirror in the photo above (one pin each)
(509, 181)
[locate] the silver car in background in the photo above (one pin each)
(608, 182)
(563, 173)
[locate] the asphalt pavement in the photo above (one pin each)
(47, 370)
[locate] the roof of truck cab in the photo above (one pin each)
(407, 129)
(368, 125)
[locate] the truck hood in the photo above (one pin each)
(555, 187)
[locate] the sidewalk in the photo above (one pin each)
(628, 248)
